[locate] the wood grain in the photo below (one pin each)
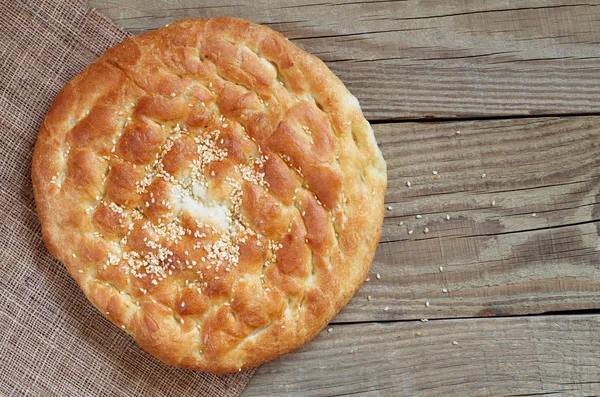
(423, 59)
(497, 258)
(538, 355)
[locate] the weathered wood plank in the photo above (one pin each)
(538, 355)
(427, 58)
(497, 258)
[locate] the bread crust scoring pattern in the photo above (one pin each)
(214, 190)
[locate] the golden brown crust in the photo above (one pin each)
(213, 189)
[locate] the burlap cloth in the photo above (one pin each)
(52, 341)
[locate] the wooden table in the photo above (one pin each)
(501, 99)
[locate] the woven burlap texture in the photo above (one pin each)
(52, 341)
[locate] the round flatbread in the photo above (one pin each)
(214, 190)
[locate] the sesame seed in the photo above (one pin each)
(385, 309)
(410, 231)
(483, 175)
(368, 279)
(493, 203)
(408, 183)
(434, 172)
(389, 208)
(369, 298)
(426, 230)
(349, 122)
(427, 304)
(74, 256)
(418, 333)
(378, 276)
(447, 217)
(454, 343)
(182, 304)
(401, 223)
(123, 326)
(534, 215)
(441, 268)
(329, 330)
(80, 271)
(457, 132)
(424, 320)
(283, 327)
(419, 216)
(107, 313)
(444, 290)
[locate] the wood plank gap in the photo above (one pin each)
(564, 313)
(432, 119)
